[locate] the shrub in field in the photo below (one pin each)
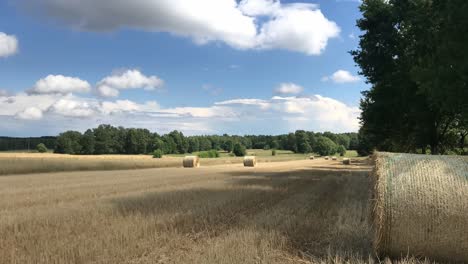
(157, 154)
(341, 149)
(324, 146)
(209, 154)
(41, 148)
(239, 150)
(273, 152)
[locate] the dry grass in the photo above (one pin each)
(292, 212)
(22, 163)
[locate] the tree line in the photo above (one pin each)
(413, 53)
(30, 143)
(107, 139)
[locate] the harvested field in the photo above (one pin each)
(289, 212)
(22, 163)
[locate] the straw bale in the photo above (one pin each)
(250, 161)
(420, 206)
(191, 162)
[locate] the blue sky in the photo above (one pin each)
(245, 67)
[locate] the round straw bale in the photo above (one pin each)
(311, 157)
(191, 162)
(420, 206)
(327, 158)
(250, 161)
(333, 158)
(346, 161)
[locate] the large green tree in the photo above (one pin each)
(412, 54)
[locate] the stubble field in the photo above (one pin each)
(280, 212)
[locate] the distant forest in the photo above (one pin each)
(107, 139)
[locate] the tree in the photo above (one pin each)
(302, 142)
(69, 143)
(239, 150)
(88, 142)
(291, 143)
(194, 145)
(341, 150)
(157, 154)
(407, 53)
(344, 140)
(205, 143)
(324, 146)
(41, 148)
(228, 145)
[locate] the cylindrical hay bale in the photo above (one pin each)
(346, 161)
(250, 161)
(421, 206)
(333, 158)
(327, 158)
(191, 162)
(311, 157)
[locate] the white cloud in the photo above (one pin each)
(4, 93)
(342, 76)
(259, 7)
(243, 115)
(289, 88)
(69, 107)
(8, 45)
(198, 112)
(264, 104)
(249, 24)
(130, 79)
(119, 106)
(59, 84)
(298, 27)
(30, 113)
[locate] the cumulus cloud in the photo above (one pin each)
(289, 88)
(342, 76)
(72, 108)
(30, 113)
(315, 112)
(241, 115)
(129, 79)
(8, 45)
(59, 84)
(248, 24)
(119, 106)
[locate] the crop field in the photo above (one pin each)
(21, 163)
(303, 211)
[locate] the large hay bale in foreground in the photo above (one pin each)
(346, 161)
(191, 162)
(421, 206)
(250, 161)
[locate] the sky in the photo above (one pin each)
(201, 67)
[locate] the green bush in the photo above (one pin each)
(157, 154)
(209, 154)
(239, 150)
(41, 148)
(324, 146)
(273, 152)
(341, 149)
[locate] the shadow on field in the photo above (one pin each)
(318, 212)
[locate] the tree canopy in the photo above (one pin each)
(413, 54)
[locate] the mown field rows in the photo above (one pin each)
(20, 163)
(286, 212)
